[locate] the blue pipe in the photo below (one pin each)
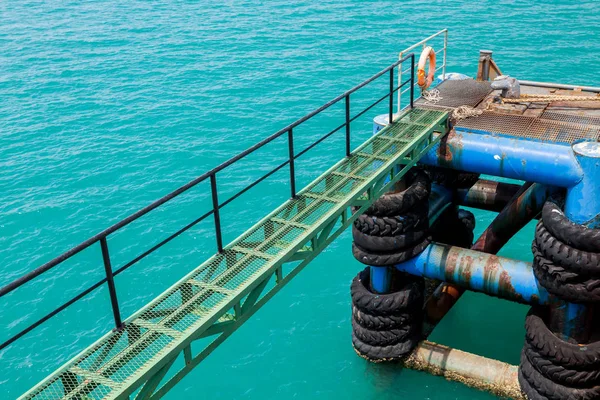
(542, 162)
(439, 198)
(582, 206)
(480, 272)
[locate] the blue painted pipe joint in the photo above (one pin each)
(582, 205)
(481, 272)
(541, 162)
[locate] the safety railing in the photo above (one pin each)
(423, 43)
(217, 205)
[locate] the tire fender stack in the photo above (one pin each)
(567, 263)
(386, 327)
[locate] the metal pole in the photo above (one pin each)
(391, 107)
(569, 320)
(111, 283)
(445, 50)
(399, 109)
(412, 79)
(348, 125)
(292, 167)
(215, 201)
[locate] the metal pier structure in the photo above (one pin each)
(202, 309)
(550, 145)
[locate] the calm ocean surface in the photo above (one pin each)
(106, 106)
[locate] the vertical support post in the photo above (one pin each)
(412, 80)
(292, 165)
(400, 66)
(391, 106)
(111, 283)
(216, 214)
(445, 50)
(582, 206)
(381, 279)
(347, 125)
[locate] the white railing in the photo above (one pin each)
(424, 43)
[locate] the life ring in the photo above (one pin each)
(427, 53)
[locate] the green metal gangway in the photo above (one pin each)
(212, 301)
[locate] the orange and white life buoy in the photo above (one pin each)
(423, 82)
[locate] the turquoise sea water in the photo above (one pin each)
(106, 106)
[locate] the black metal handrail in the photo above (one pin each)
(216, 205)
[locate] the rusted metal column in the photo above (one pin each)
(524, 205)
(487, 195)
(475, 371)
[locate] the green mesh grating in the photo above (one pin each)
(117, 363)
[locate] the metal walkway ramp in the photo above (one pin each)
(208, 304)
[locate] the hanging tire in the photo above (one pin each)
(574, 235)
(377, 354)
(383, 338)
(401, 202)
(560, 374)
(406, 298)
(550, 271)
(415, 219)
(554, 279)
(452, 178)
(551, 390)
(454, 228)
(381, 322)
(387, 243)
(579, 261)
(528, 391)
(388, 258)
(559, 352)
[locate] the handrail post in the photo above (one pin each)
(216, 214)
(412, 80)
(391, 107)
(111, 283)
(445, 50)
(348, 125)
(292, 164)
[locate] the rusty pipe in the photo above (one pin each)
(524, 205)
(475, 371)
(487, 195)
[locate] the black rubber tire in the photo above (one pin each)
(405, 298)
(452, 178)
(381, 322)
(560, 374)
(551, 271)
(578, 261)
(381, 259)
(416, 219)
(527, 390)
(555, 279)
(552, 390)
(454, 228)
(467, 218)
(378, 354)
(568, 232)
(391, 204)
(383, 338)
(387, 243)
(552, 348)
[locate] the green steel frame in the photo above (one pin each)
(211, 302)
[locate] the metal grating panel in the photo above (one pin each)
(530, 128)
(119, 361)
(456, 93)
(571, 118)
